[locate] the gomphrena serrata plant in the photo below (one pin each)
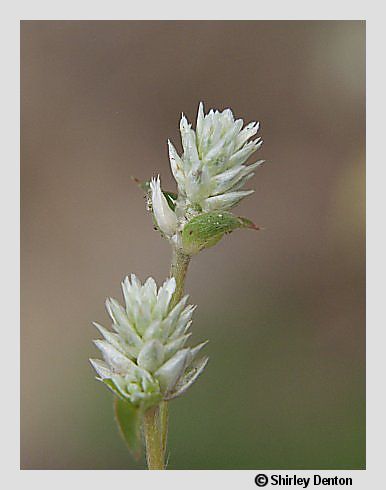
(147, 360)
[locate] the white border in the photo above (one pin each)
(199, 9)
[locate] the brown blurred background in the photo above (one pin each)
(283, 308)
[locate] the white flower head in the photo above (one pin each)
(212, 171)
(164, 216)
(145, 356)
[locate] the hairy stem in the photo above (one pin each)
(164, 419)
(156, 419)
(153, 438)
(178, 270)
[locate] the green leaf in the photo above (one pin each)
(205, 230)
(128, 418)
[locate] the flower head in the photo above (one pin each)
(145, 358)
(211, 171)
(210, 175)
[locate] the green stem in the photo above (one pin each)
(156, 418)
(178, 270)
(164, 413)
(153, 438)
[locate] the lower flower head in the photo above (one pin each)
(145, 356)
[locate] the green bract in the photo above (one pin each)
(207, 229)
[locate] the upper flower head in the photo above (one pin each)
(145, 358)
(211, 171)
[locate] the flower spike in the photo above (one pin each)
(212, 170)
(146, 359)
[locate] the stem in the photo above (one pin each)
(178, 270)
(153, 438)
(164, 412)
(156, 418)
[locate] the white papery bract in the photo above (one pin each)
(211, 171)
(164, 216)
(145, 357)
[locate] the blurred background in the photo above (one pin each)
(284, 308)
